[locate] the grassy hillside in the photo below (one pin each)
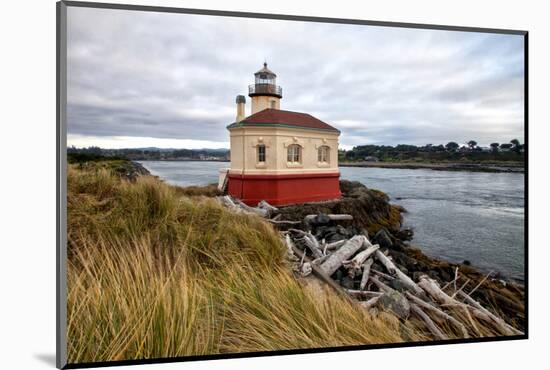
(153, 273)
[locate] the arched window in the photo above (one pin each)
(273, 104)
(323, 154)
(294, 153)
(261, 153)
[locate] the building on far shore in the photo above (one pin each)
(280, 156)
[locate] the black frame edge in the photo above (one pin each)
(288, 17)
(61, 189)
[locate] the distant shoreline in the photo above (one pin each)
(181, 160)
(451, 166)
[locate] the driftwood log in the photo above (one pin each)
(284, 222)
(355, 264)
(335, 245)
(428, 321)
(383, 275)
(385, 261)
(366, 273)
(313, 245)
(317, 271)
(268, 208)
(493, 317)
(432, 288)
(259, 211)
(331, 217)
(439, 313)
(370, 303)
(363, 293)
(380, 285)
(394, 270)
(336, 259)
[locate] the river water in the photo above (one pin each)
(456, 216)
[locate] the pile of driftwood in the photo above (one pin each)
(364, 273)
(264, 209)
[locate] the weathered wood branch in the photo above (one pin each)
(320, 260)
(313, 245)
(228, 202)
(499, 321)
(432, 288)
(366, 273)
(370, 303)
(260, 212)
(439, 313)
(336, 259)
(277, 217)
(289, 244)
(268, 207)
(363, 293)
(394, 270)
(380, 285)
(385, 261)
(336, 245)
(354, 265)
(428, 321)
(284, 222)
(335, 217)
(383, 275)
(317, 271)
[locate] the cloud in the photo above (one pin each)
(175, 76)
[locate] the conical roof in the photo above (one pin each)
(265, 70)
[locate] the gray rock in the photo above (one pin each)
(405, 234)
(398, 285)
(396, 303)
(347, 283)
(320, 220)
(382, 238)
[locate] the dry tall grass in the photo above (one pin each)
(152, 273)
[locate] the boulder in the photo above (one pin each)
(405, 234)
(395, 302)
(383, 238)
(320, 220)
(347, 282)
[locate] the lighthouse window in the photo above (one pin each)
(261, 153)
(322, 154)
(294, 153)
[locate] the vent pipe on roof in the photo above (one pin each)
(241, 101)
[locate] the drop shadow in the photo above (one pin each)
(47, 358)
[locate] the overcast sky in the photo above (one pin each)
(139, 79)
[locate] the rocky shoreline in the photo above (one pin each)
(456, 166)
(375, 217)
(130, 170)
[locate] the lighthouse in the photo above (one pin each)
(282, 157)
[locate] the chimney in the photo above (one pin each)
(241, 101)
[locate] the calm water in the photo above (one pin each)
(455, 215)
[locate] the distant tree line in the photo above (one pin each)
(452, 151)
(150, 153)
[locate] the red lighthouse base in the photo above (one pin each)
(284, 189)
